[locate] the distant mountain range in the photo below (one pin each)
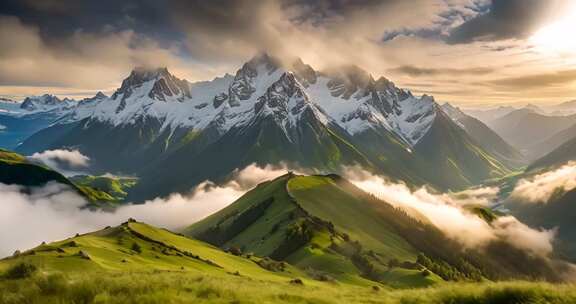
(19, 120)
(533, 130)
(175, 134)
(489, 115)
(525, 129)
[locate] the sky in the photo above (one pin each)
(468, 52)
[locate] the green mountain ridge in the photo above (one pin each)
(104, 188)
(16, 169)
(326, 224)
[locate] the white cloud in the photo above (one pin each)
(540, 188)
(71, 157)
(446, 212)
(53, 212)
(66, 162)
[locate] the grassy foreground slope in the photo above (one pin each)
(181, 287)
(137, 247)
(138, 263)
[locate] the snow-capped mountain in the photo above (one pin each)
(355, 103)
(47, 103)
(19, 120)
(8, 106)
(270, 111)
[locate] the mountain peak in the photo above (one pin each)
(348, 79)
(264, 58)
(165, 84)
(143, 74)
(100, 95)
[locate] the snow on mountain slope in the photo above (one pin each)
(351, 99)
(368, 107)
(9, 106)
(47, 103)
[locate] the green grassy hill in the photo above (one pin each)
(271, 221)
(327, 227)
(15, 169)
(325, 261)
(133, 247)
(110, 189)
(181, 287)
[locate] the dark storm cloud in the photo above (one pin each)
(57, 18)
(321, 11)
(508, 19)
(89, 40)
(171, 19)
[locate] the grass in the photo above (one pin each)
(9, 156)
(322, 197)
(258, 237)
(185, 287)
(103, 188)
(409, 278)
(329, 252)
(15, 169)
(137, 247)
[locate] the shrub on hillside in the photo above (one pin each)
(20, 271)
(136, 248)
(272, 265)
(235, 250)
